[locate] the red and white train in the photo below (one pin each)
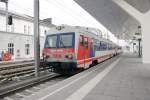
(69, 48)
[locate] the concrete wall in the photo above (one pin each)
(20, 26)
(20, 33)
(19, 41)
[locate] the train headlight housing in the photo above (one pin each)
(69, 56)
(46, 56)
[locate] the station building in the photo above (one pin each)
(18, 38)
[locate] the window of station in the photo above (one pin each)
(29, 29)
(12, 27)
(27, 49)
(25, 29)
(86, 42)
(11, 48)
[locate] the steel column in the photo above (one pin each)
(139, 40)
(36, 37)
(6, 15)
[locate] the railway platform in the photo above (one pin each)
(120, 78)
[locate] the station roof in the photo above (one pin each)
(114, 17)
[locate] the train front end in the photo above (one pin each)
(59, 52)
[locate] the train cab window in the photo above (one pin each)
(81, 40)
(86, 42)
(66, 40)
(51, 41)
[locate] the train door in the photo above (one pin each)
(86, 49)
(83, 49)
(80, 55)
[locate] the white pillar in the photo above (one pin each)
(144, 19)
(146, 38)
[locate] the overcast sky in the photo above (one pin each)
(61, 12)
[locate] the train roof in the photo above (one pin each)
(92, 32)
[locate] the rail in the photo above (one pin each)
(9, 89)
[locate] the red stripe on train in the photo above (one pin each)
(92, 59)
(58, 50)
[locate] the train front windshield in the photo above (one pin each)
(63, 40)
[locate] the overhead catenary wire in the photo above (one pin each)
(28, 10)
(68, 13)
(75, 12)
(76, 17)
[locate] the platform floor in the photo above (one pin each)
(121, 78)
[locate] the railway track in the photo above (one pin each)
(19, 69)
(14, 62)
(21, 76)
(8, 71)
(29, 87)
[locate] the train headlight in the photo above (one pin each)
(69, 56)
(45, 56)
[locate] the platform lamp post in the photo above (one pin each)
(134, 38)
(36, 37)
(6, 2)
(139, 40)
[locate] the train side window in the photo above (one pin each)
(104, 46)
(108, 46)
(100, 48)
(81, 40)
(98, 45)
(86, 42)
(92, 46)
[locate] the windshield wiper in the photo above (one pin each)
(61, 42)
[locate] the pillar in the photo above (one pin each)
(146, 39)
(144, 19)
